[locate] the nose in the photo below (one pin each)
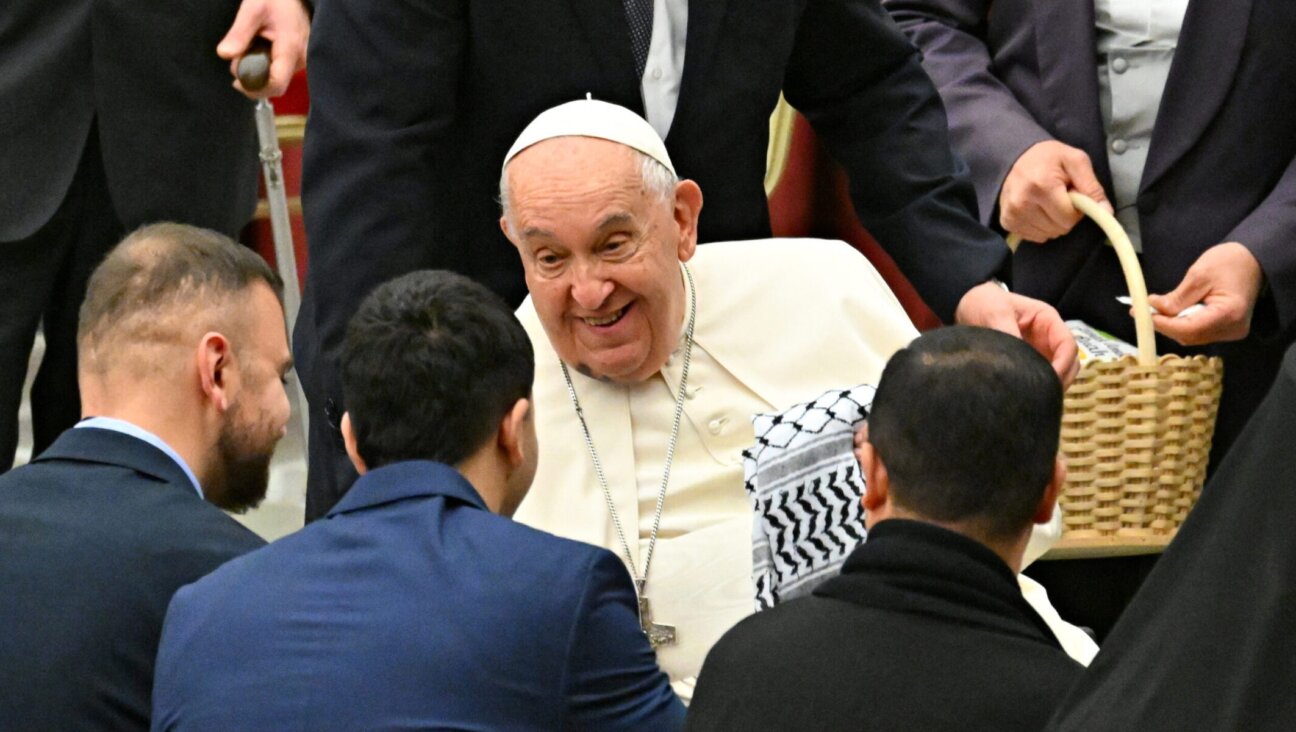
(590, 287)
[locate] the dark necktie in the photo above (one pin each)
(640, 15)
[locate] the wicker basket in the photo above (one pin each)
(1136, 433)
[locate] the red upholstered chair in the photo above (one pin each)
(808, 197)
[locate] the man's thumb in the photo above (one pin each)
(241, 32)
(1171, 303)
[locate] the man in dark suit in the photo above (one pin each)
(182, 352)
(925, 628)
(418, 602)
(1179, 114)
(413, 109)
(113, 114)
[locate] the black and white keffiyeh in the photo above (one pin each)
(805, 487)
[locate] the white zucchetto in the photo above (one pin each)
(593, 118)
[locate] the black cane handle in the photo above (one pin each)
(254, 67)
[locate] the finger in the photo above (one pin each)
(1193, 331)
(1189, 292)
(1023, 227)
(1083, 179)
(1060, 213)
(1045, 331)
(283, 65)
(250, 18)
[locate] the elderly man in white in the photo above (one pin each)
(652, 355)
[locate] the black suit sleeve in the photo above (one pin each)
(861, 85)
(383, 78)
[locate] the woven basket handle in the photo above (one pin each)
(1120, 241)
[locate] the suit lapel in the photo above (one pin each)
(705, 18)
(1200, 79)
(1070, 79)
(608, 34)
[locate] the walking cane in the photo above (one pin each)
(254, 74)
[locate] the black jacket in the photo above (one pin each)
(96, 535)
(925, 629)
(178, 142)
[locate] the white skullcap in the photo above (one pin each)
(592, 118)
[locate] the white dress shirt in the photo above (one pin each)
(665, 66)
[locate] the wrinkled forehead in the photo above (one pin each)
(575, 155)
(569, 176)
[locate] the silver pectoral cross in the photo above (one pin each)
(658, 634)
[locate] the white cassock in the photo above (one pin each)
(779, 321)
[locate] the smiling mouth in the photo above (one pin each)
(606, 320)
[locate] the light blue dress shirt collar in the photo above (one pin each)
(126, 428)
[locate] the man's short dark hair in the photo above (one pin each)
(967, 422)
(432, 362)
(153, 281)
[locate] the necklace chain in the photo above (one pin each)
(642, 579)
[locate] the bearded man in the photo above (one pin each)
(652, 356)
(182, 352)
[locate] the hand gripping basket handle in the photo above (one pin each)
(1129, 265)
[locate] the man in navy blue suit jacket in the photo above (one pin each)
(417, 602)
(182, 349)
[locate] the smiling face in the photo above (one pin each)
(601, 254)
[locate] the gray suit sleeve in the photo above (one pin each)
(1269, 232)
(988, 126)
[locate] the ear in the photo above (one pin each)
(217, 373)
(1048, 502)
(877, 485)
(688, 207)
(349, 442)
(508, 230)
(511, 436)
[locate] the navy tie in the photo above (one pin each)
(640, 15)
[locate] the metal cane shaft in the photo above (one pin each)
(254, 74)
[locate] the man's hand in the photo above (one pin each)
(1033, 201)
(282, 22)
(1227, 279)
(1035, 322)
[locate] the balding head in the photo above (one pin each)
(182, 333)
(160, 288)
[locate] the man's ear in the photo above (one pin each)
(688, 207)
(511, 435)
(508, 230)
(877, 485)
(217, 374)
(349, 442)
(1048, 501)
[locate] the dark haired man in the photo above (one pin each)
(926, 627)
(413, 604)
(182, 350)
